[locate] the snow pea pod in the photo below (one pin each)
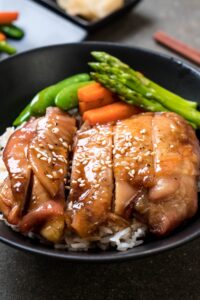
(12, 31)
(7, 48)
(46, 97)
(68, 97)
(24, 116)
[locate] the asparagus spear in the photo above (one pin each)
(127, 94)
(121, 72)
(179, 107)
(141, 79)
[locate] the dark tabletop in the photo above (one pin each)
(171, 275)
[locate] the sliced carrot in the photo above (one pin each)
(109, 113)
(2, 37)
(84, 106)
(94, 95)
(7, 17)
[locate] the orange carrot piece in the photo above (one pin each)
(84, 106)
(93, 96)
(93, 92)
(109, 113)
(7, 17)
(2, 37)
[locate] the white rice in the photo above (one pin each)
(3, 140)
(122, 240)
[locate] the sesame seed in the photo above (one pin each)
(43, 158)
(51, 147)
(39, 155)
(143, 131)
(131, 173)
(49, 176)
(67, 187)
(65, 145)
(55, 130)
(147, 153)
(61, 171)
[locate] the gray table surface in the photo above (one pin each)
(171, 275)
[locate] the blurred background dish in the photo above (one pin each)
(42, 27)
(106, 16)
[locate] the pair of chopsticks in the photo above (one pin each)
(178, 46)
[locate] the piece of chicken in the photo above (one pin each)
(15, 159)
(156, 165)
(6, 197)
(91, 190)
(48, 157)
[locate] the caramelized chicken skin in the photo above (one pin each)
(15, 159)
(144, 167)
(91, 190)
(48, 157)
(132, 158)
(36, 157)
(165, 193)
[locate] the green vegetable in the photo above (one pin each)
(133, 82)
(7, 48)
(127, 94)
(68, 98)
(141, 80)
(119, 77)
(12, 31)
(46, 97)
(24, 116)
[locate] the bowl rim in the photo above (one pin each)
(107, 256)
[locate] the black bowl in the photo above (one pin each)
(25, 74)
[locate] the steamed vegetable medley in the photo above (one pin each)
(9, 31)
(112, 91)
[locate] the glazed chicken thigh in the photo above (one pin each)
(36, 156)
(91, 190)
(143, 169)
(156, 166)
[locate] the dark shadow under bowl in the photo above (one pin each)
(22, 76)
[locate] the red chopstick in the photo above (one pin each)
(177, 46)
